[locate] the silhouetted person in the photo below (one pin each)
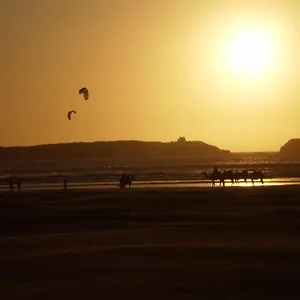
(11, 184)
(19, 185)
(215, 170)
(65, 184)
(123, 180)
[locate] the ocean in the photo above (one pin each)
(159, 172)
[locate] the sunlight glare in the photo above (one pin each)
(250, 53)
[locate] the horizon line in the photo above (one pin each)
(144, 141)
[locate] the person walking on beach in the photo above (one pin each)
(19, 185)
(123, 180)
(11, 184)
(65, 184)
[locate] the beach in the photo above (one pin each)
(151, 243)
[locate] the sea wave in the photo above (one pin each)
(155, 171)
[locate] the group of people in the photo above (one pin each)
(11, 184)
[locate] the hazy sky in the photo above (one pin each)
(223, 72)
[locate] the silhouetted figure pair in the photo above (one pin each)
(126, 179)
(11, 184)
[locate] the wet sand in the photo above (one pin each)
(155, 243)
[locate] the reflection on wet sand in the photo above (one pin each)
(155, 184)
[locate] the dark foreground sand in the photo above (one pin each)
(202, 243)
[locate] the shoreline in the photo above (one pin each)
(94, 185)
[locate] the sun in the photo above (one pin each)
(250, 53)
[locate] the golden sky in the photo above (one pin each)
(223, 72)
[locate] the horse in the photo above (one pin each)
(126, 180)
(222, 176)
(241, 175)
(213, 176)
(227, 174)
(256, 175)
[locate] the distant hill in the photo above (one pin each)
(290, 150)
(114, 149)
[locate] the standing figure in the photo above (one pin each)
(11, 184)
(19, 185)
(123, 180)
(65, 184)
(215, 170)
